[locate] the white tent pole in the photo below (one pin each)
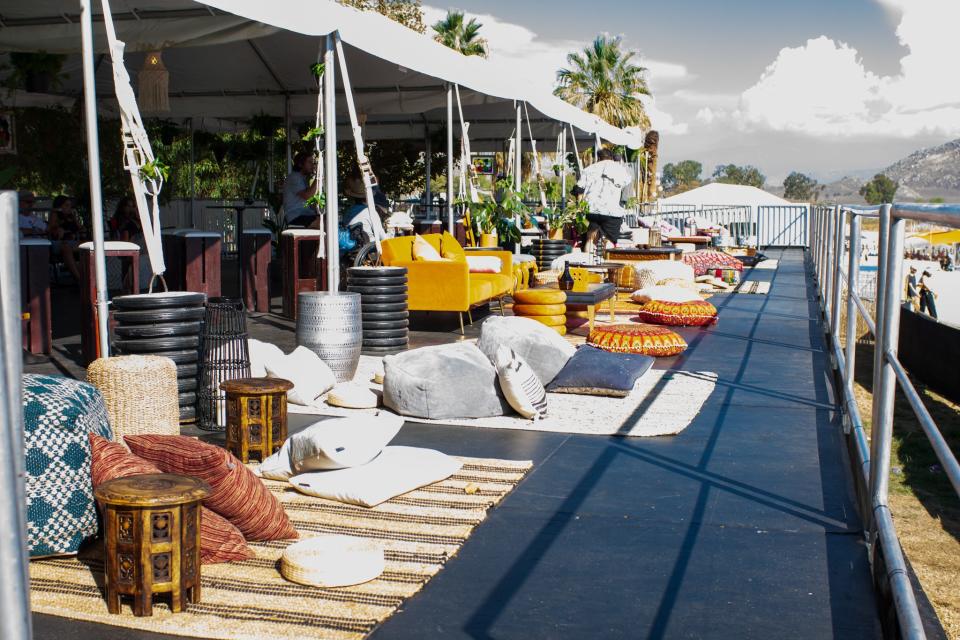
(596, 147)
(562, 150)
(330, 172)
(93, 163)
(518, 153)
(428, 167)
(288, 125)
(450, 226)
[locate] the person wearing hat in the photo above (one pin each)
(913, 293)
(357, 212)
(928, 299)
(297, 190)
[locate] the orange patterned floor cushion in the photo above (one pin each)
(695, 313)
(702, 261)
(647, 339)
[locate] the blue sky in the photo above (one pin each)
(825, 87)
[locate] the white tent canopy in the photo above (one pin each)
(717, 193)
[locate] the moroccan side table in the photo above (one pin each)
(152, 530)
(256, 416)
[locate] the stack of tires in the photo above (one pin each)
(164, 324)
(383, 307)
(546, 251)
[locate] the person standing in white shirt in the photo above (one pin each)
(602, 184)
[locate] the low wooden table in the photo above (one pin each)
(256, 416)
(590, 296)
(152, 539)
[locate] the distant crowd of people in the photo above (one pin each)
(942, 257)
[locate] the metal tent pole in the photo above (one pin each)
(330, 168)
(287, 126)
(450, 228)
(93, 162)
(14, 597)
(517, 156)
(428, 168)
(193, 172)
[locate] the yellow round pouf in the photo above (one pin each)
(539, 296)
(551, 320)
(539, 309)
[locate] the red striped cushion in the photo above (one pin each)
(220, 541)
(236, 494)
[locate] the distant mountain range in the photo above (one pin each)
(926, 174)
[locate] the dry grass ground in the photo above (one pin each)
(925, 508)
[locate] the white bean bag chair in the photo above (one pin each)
(545, 350)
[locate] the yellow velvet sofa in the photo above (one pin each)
(447, 285)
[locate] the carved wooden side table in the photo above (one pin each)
(256, 416)
(152, 531)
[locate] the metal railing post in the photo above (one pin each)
(827, 264)
(853, 286)
(835, 275)
(882, 254)
(15, 595)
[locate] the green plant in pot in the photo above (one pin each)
(35, 72)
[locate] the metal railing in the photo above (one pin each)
(828, 227)
(760, 226)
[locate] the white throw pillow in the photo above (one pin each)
(332, 443)
(545, 350)
(520, 385)
(664, 293)
(311, 377)
(397, 470)
(351, 395)
(663, 269)
(260, 354)
(484, 264)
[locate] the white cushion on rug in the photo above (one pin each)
(332, 443)
(260, 354)
(664, 293)
(520, 384)
(484, 264)
(397, 470)
(662, 269)
(311, 377)
(350, 395)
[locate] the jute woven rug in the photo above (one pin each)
(768, 265)
(250, 600)
(752, 286)
(663, 402)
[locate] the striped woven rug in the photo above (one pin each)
(419, 532)
(752, 286)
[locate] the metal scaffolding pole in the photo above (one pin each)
(330, 168)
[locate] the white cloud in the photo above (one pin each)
(513, 45)
(822, 88)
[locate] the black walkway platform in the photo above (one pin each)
(742, 526)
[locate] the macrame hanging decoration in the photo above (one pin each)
(153, 84)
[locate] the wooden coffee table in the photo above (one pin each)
(590, 296)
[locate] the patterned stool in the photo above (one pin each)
(645, 339)
(302, 270)
(58, 413)
(546, 306)
(152, 539)
(256, 416)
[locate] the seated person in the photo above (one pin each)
(31, 225)
(297, 190)
(356, 214)
(66, 232)
(125, 222)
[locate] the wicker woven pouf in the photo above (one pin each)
(256, 416)
(152, 539)
(646, 339)
(140, 393)
(330, 560)
(546, 306)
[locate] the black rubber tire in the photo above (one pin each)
(187, 398)
(362, 273)
(384, 316)
(379, 290)
(385, 325)
(153, 346)
(547, 241)
(385, 342)
(383, 351)
(548, 252)
(158, 330)
(180, 356)
(166, 300)
(188, 413)
(154, 316)
(187, 370)
(187, 384)
(369, 299)
(394, 281)
(377, 334)
(382, 307)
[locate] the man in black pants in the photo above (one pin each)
(601, 185)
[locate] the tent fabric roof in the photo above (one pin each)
(236, 58)
(718, 193)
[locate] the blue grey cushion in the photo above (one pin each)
(58, 413)
(593, 371)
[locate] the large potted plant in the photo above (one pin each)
(35, 72)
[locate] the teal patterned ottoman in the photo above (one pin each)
(58, 413)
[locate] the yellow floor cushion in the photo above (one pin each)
(550, 321)
(694, 313)
(539, 309)
(651, 340)
(540, 296)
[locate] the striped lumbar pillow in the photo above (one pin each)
(520, 384)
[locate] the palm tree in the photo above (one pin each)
(460, 36)
(603, 80)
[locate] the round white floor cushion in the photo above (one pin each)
(353, 396)
(332, 561)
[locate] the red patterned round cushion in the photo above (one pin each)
(695, 313)
(702, 261)
(646, 339)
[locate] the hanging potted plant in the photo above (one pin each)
(265, 125)
(36, 72)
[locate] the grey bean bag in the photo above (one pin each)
(446, 381)
(545, 350)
